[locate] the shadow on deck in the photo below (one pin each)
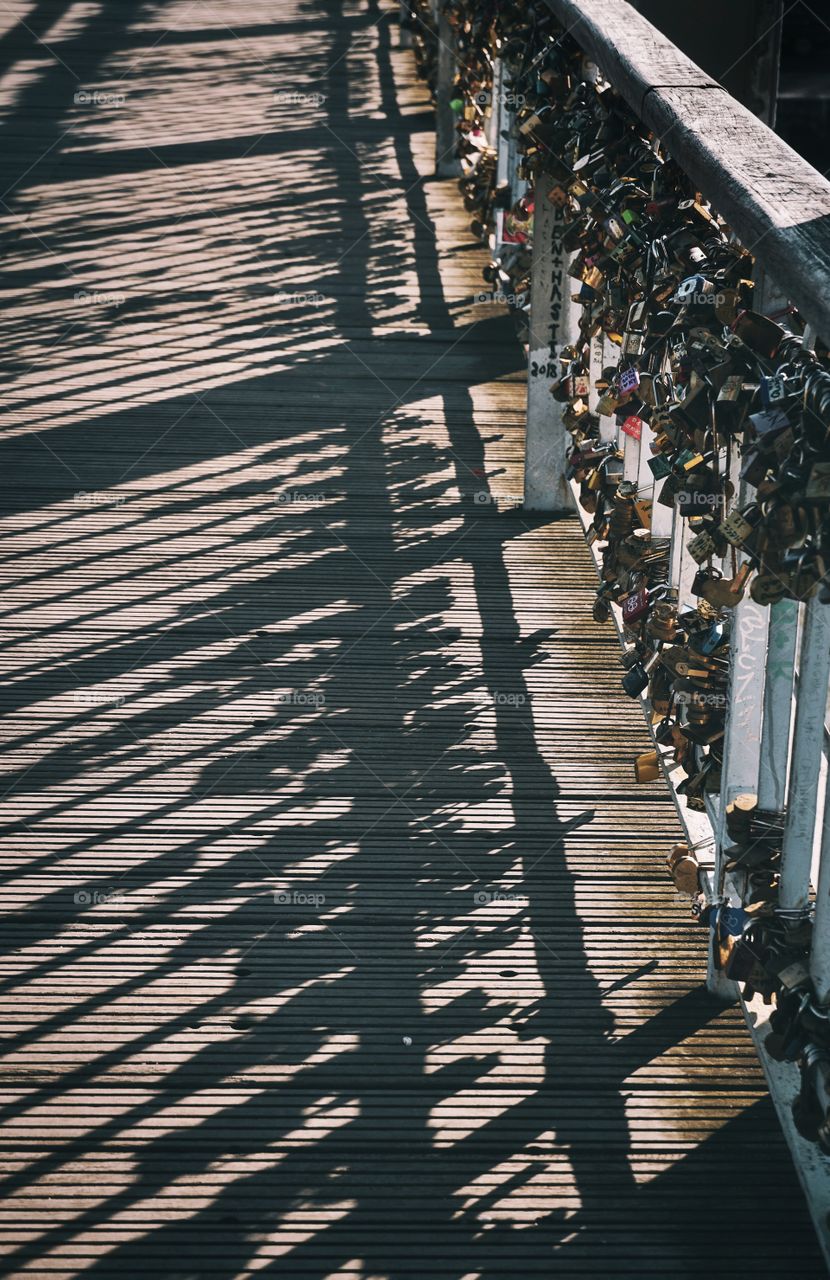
(271, 625)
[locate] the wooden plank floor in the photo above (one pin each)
(338, 940)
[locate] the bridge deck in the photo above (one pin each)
(272, 624)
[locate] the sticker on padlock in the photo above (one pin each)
(629, 380)
(633, 426)
(773, 390)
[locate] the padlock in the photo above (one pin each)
(691, 290)
(760, 334)
(727, 593)
(699, 497)
(628, 380)
(818, 483)
(812, 1105)
(737, 526)
(659, 468)
(647, 767)
(708, 640)
(684, 869)
(662, 623)
(701, 548)
(787, 1036)
(635, 681)
(802, 569)
(635, 606)
(768, 422)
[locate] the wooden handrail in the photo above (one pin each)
(777, 204)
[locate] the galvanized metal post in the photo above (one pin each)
(820, 948)
(742, 740)
(631, 458)
(553, 324)
(778, 706)
(492, 125)
(808, 745)
(447, 164)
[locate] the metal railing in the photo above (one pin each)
(765, 201)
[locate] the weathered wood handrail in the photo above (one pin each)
(777, 204)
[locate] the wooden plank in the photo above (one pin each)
(260, 636)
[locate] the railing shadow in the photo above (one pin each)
(328, 695)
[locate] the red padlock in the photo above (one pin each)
(635, 606)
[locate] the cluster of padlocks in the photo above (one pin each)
(734, 401)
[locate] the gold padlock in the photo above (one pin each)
(646, 767)
(684, 869)
(726, 593)
(607, 403)
(643, 509)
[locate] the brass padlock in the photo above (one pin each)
(647, 767)
(684, 869)
(726, 593)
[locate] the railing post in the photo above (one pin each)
(504, 125)
(553, 323)
(404, 30)
(808, 747)
(742, 739)
(778, 706)
(493, 124)
(447, 164)
(820, 946)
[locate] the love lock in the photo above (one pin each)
(684, 869)
(635, 682)
(720, 592)
(738, 525)
(811, 1108)
(767, 589)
